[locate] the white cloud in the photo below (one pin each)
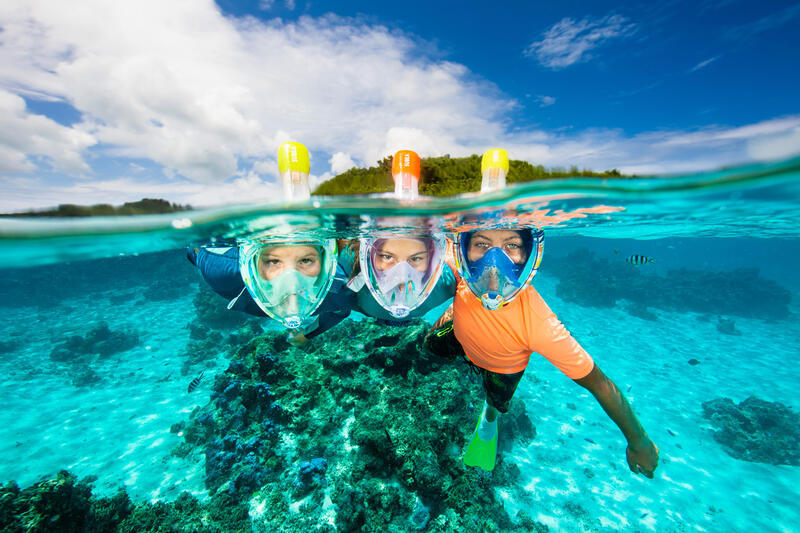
(775, 146)
(545, 101)
(569, 41)
(24, 136)
(203, 92)
(704, 63)
(21, 194)
(266, 5)
(340, 162)
(290, 5)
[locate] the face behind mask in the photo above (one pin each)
(400, 273)
(288, 281)
(494, 277)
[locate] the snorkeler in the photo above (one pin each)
(398, 278)
(499, 319)
(298, 283)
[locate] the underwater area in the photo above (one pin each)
(134, 400)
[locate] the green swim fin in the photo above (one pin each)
(481, 453)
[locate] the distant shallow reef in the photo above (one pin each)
(756, 430)
(586, 280)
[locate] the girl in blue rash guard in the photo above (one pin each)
(221, 268)
(398, 278)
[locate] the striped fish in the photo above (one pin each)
(195, 382)
(639, 260)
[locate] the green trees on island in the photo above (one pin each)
(444, 176)
(145, 206)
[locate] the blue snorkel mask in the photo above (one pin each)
(494, 277)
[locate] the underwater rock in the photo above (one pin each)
(727, 326)
(756, 430)
(99, 341)
(586, 280)
(7, 347)
(61, 504)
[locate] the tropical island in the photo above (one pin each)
(445, 176)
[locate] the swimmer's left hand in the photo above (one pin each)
(296, 339)
(643, 458)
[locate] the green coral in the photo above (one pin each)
(389, 418)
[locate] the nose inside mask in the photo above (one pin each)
(401, 277)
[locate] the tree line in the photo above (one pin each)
(445, 176)
(145, 206)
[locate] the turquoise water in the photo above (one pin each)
(715, 316)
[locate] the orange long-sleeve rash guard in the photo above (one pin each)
(502, 340)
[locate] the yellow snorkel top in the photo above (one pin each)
(294, 166)
(494, 168)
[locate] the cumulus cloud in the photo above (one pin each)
(204, 92)
(545, 101)
(340, 162)
(569, 41)
(25, 136)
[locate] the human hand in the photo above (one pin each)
(296, 339)
(446, 317)
(643, 459)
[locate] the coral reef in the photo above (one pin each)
(66, 505)
(99, 341)
(756, 430)
(727, 326)
(358, 431)
(589, 281)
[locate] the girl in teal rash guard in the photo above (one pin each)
(398, 278)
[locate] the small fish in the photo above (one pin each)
(589, 440)
(639, 259)
(643, 515)
(671, 433)
(195, 382)
(629, 388)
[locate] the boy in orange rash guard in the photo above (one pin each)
(498, 333)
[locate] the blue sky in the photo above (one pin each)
(188, 100)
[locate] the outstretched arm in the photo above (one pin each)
(641, 453)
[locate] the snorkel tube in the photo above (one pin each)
(406, 173)
(294, 166)
(494, 168)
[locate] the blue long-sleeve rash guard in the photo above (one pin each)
(220, 269)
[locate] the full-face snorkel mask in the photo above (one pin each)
(401, 271)
(288, 279)
(494, 277)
